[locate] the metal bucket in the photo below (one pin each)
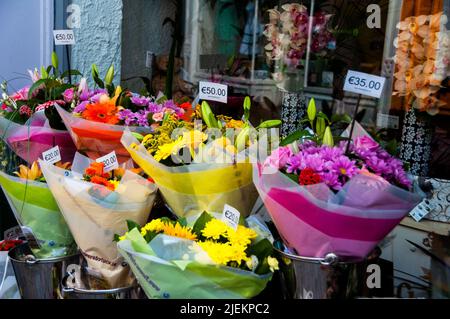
(74, 288)
(316, 278)
(39, 278)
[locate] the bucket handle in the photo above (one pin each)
(66, 289)
(330, 259)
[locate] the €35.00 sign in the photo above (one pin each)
(365, 84)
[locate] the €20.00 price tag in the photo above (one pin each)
(231, 216)
(110, 161)
(213, 92)
(365, 84)
(64, 37)
(52, 156)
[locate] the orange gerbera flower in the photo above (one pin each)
(103, 181)
(104, 111)
(95, 169)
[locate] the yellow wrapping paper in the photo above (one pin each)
(194, 188)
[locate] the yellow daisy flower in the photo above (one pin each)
(243, 236)
(179, 231)
(166, 150)
(214, 229)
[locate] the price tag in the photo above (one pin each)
(231, 216)
(213, 92)
(110, 161)
(64, 37)
(365, 84)
(52, 156)
(422, 210)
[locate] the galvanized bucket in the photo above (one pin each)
(39, 278)
(316, 278)
(73, 288)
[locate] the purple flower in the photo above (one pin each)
(315, 162)
(154, 107)
(128, 117)
(331, 180)
(344, 166)
(331, 153)
(142, 118)
(81, 107)
(295, 164)
(138, 100)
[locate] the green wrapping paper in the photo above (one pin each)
(165, 270)
(34, 207)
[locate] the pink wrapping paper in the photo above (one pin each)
(313, 221)
(30, 140)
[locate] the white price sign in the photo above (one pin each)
(213, 92)
(422, 210)
(388, 121)
(365, 84)
(110, 161)
(231, 216)
(52, 156)
(64, 37)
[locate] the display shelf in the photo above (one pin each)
(439, 228)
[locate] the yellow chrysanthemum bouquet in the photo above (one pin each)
(204, 259)
(203, 164)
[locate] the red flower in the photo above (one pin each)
(309, 177)
(7, 245)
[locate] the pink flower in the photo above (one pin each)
(25, 110)
(366, 143)
(68, 95)
(21, 95)
(279, 158)
(48, 104)
(158, 117)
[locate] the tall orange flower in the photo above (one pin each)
(104, 111)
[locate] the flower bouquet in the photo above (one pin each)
(199, 165)
(208, 259)
(28, 122)
(99, 117)
(96, 204)
(35, 209)
(326, 198)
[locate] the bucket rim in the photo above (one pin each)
(24, 246)
(111, 291)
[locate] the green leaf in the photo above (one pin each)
(247, 106)
(242, 138)
(262, 250)
(295, 137)
(208, 116)
(182, 222)
(96, 77)
(200, 223)
(138, 136)
(269, 124)
(72, 73)
(35, 86)
(116, 238)
(55, 61)
(312, 110)
(149, 236)
(293, 177)
(162, 99)
(343, 118)
(131, 225)
(323, 116)
(44, 72)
